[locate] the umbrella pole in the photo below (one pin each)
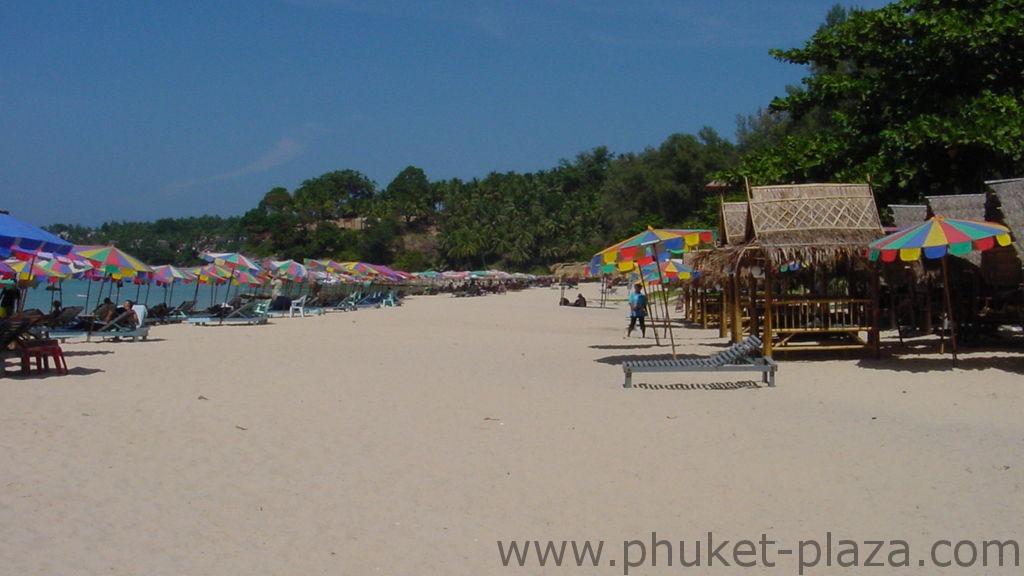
(664, 301)
(949, 307)
(643, 286)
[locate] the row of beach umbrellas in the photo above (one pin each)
(31, 253)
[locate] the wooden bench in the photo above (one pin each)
(737, 358)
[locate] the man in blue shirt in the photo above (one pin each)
(637, 311)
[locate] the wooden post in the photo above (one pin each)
(876, 348)
(704, 308)
(724, 303)
(755, 318)
(769, 275)
(949, 307)
(735, 322)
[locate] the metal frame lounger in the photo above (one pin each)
(117, 328)
(254, 312)
(736, 358)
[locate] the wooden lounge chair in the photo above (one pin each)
(740, 357)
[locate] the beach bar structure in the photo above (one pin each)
(799, 275)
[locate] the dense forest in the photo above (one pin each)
(919, 97)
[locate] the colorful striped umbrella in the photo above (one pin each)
(644, 247)
(50, 270)
(112, 261)
(232, 260)
(671, 270)
(166, 274)
(938, 237)
(287, 270)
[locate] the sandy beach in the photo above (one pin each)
(412, 440)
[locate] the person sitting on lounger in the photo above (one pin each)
(580, 302)
(105, 311)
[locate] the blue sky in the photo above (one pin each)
(137, 110)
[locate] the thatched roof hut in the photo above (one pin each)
(1010, 196)
(813, 223)
(808, 223)
(904, 215)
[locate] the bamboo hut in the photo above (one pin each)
(1008, 208)
(803, 258)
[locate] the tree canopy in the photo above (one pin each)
(921, 96)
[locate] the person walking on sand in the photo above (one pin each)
(637, 311)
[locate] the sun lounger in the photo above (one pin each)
(119, 328)
(740, 357)
(253, 312)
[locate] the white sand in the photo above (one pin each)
(410, 440)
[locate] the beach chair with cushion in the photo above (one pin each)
(253, 312)
(121, 327)
(67, 316)
(743, 356)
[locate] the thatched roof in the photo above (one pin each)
(1010, 194)
(963, 206)
(814, 223)
(564, 270)
(733, 220)
(904, 215)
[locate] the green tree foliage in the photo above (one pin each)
(923, 96)
(166, 241)
(410, 196)
(339, 194)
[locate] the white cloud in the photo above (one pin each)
(285, 150)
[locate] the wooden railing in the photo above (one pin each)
(838, 322)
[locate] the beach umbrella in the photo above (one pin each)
(112, 261)
(671, 270)
(646, 247)
(18, 235)
(167, 275)
(938, 237)
(50, 270)
(287, 270)
(231, 260)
